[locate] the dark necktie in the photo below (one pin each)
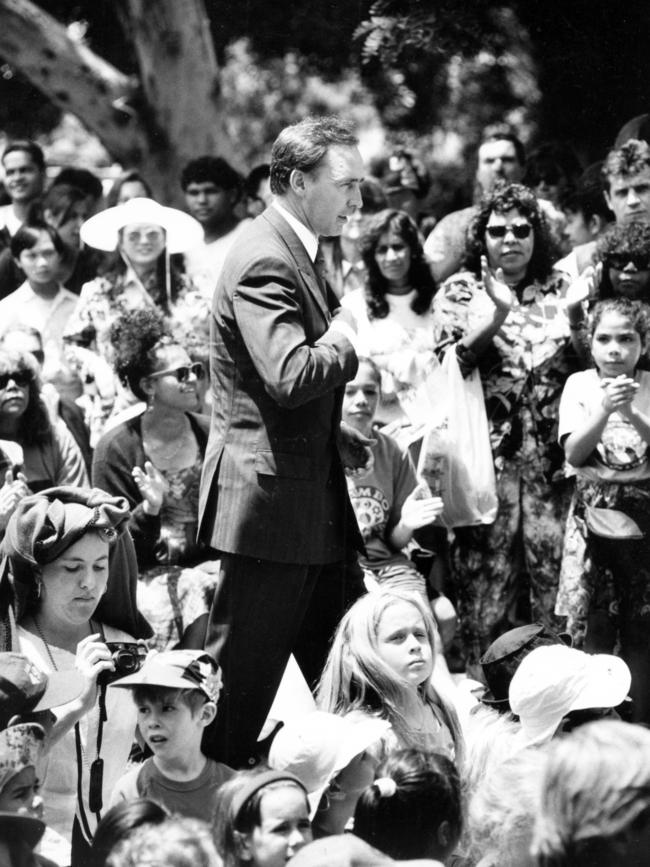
(322, 273)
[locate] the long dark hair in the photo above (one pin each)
(34, 427)
(419, 276)
(503, 198)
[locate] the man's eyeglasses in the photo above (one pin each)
(620, 261)
(183, 373)
(519, 230)
(21, 378)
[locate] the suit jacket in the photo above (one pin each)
(273, 486)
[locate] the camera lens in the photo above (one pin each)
(126, 661)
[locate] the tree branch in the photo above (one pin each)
(73, 77)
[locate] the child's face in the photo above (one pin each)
(616, 346)
(283, 830)
(20, 794)
(361, 399)
(170, 729)
(403, 643)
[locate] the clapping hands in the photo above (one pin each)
(151, 484)
(496, 287)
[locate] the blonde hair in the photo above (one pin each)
(177, 842)
(595, 786)
(501, 811)
(355, 677)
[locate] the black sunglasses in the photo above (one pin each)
(519, 230)
(183, 373)
(620, 261)
(21, 378)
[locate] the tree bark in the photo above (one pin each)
(156, 124)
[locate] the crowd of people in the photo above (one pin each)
(237, 624)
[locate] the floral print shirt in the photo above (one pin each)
(525, 368)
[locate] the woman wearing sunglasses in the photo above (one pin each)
(139, 275)
(523, 362)
(154, 460)
(47, 454)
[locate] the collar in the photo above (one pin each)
(28, 294)
(305, 236)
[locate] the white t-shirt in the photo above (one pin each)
(622, 454)
(204, 262)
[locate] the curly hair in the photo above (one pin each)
(419, 276)
(34, 427)
(630, 159)
(136, 337)
(625, 239)
(503, 198)
(637, 312)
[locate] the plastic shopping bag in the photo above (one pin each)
(456, 457)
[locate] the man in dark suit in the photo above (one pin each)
(274, 500)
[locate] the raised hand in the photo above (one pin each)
(152, 485)
(618, 393)
(496, 287)
(585, 287)
(419, 510)
(91, 659)
(11, 493)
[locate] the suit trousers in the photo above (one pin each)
(262, 612)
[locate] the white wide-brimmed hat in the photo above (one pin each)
(316, 746)
(102, 230)
(552, 681)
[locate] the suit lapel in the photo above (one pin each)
(299, 254)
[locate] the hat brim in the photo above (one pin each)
(16, 825)
(608, 686)
(152, 675)
(102, 230)
(62, 688)
(365, 732)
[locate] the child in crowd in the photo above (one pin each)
(389, 503)
(593, 801)
(176, 695)
(262, 819)
(381, 664)
(605, 430)
(413, 809)
(119, 823)
(331, 755)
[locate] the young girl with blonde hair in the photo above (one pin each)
(381, 663)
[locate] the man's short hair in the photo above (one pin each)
(303, 145)
(630, 159)
(588, 196)
(28, 235)
(29, 147)
(497, 133)
(211, 170)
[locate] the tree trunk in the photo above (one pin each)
(154, 125)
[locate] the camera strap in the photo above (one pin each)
(95, 799)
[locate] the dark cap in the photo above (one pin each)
(503, 656)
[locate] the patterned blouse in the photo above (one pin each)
(524, 369)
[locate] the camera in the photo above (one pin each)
(127, 656)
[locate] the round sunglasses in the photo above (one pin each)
(21, 378)
(519, 230)
(182, 373)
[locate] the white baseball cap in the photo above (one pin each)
(554, 680)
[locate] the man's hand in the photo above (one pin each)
(355, 449)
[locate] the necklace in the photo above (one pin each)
(154, 448)
(47, 646)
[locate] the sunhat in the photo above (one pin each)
(552, 681)
(25, 689)
(102, 230)
(317, 745)
(504, 655)
(177, 669)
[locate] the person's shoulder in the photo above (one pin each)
(583, 379)
(117, 436)
(219, 773)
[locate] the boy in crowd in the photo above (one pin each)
(176, 694)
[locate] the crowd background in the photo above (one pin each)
(458, 716)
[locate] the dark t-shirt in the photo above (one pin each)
(195, 798)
